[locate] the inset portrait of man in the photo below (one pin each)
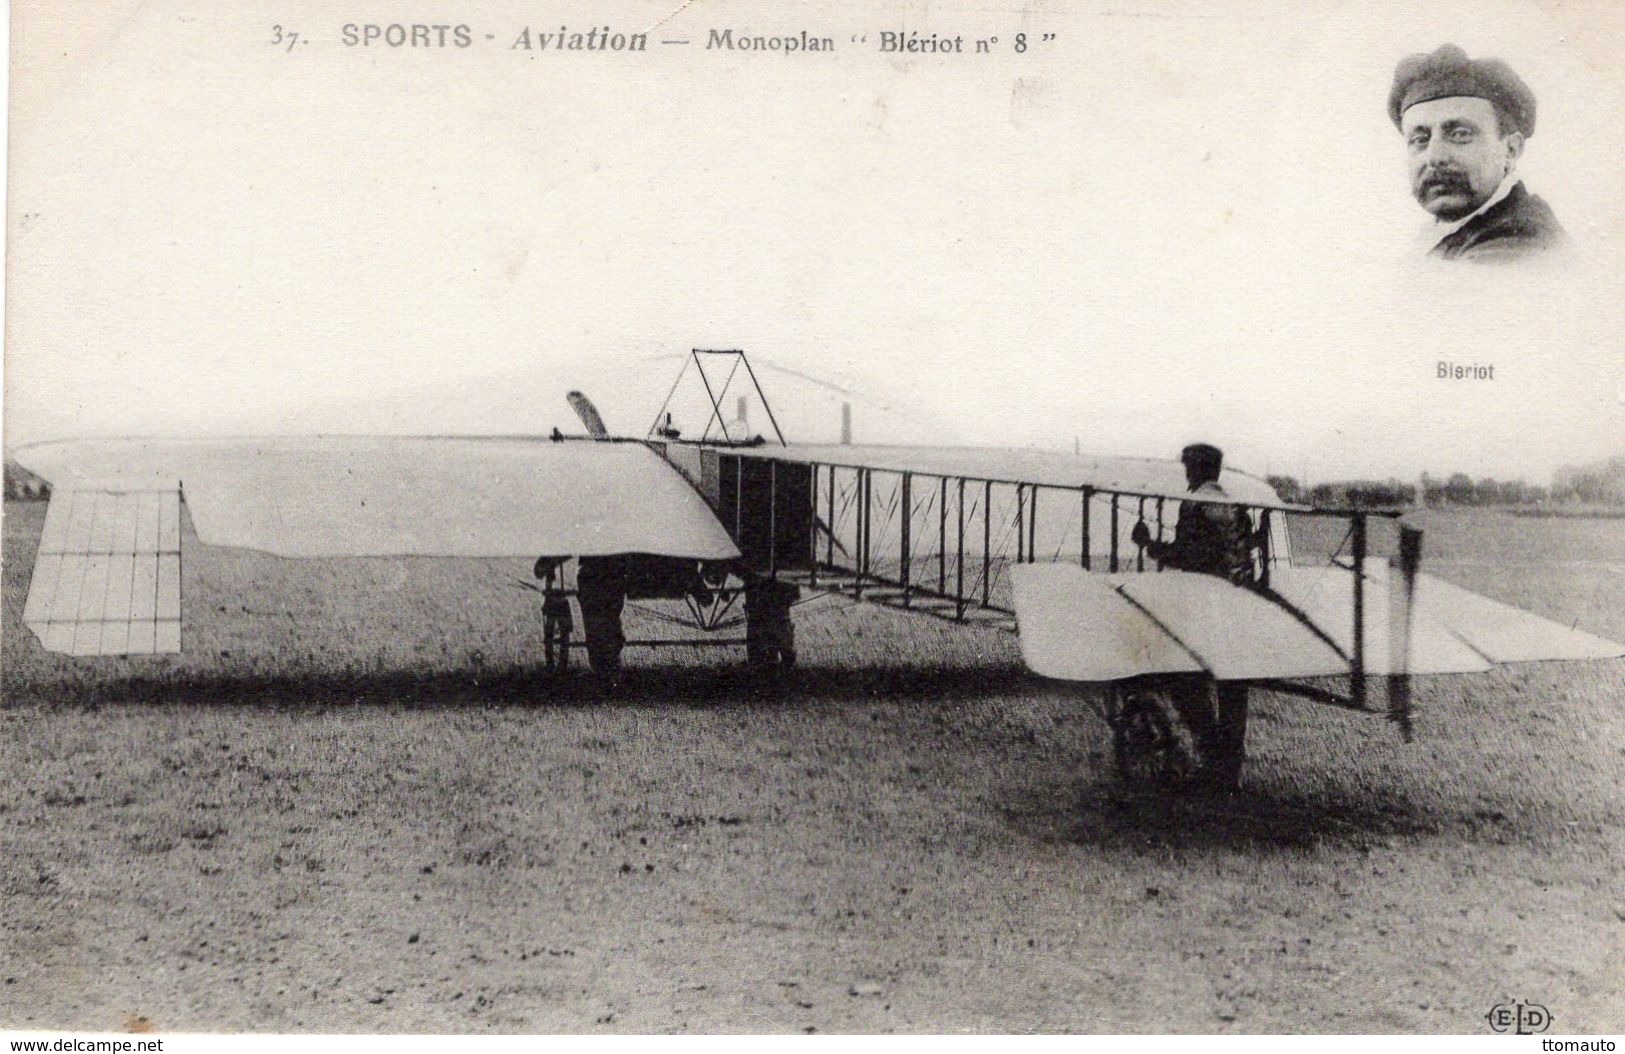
(1465, 123)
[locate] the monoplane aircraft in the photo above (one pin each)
(1042, 543)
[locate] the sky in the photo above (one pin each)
(1174, 221)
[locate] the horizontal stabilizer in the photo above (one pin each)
(1234, 633)
(1324, 596)
(1076, 627)
(1079, 626)
(1503, 633)
(107, 580)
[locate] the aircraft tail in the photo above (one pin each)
(107, 580)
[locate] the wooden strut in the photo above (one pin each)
(773, 519)
(1114, 534)
(812, 533)
(716, 407)
(829, 546)
(1032, 523)
(1161, 526)
(906, 546)
(774, 421)
(670, 642)
(1083, 542)
(1139, 555)
(987, 537)
(959, 562)
(865, 523)
(1399, 685)
(1021, 523)
(1264, 548)
(1357, 678)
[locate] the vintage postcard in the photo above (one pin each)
(652, 516)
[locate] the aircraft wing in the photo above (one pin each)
(107, 580)
(357, 496)
(1077, 626)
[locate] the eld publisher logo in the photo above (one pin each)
(1524, 1019)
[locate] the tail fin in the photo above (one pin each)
(589, 415)
(107, 580)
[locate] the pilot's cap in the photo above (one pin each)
(1449, 72)
(1203, 456)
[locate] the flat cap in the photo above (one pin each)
(1448, 72)
(1203, 454)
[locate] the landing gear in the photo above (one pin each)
(770, 634)
(557, 628)
(558, 625)
(1229, 737)
(1151, 741)
(601, 592)
(604, 584)
(1179, 731)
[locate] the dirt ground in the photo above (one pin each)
(356, 805)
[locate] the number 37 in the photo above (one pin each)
(280, 37)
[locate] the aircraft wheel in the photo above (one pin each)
(1152, 742)
(769, 657)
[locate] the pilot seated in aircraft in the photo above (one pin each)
(1208, 539)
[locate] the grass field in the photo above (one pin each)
(356, 804)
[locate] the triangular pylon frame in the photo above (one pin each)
(715, 395)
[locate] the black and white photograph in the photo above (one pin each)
(658, 517)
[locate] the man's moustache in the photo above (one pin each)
(1445, 181)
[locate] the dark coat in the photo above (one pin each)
(1518, 226)
(1210, 539)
